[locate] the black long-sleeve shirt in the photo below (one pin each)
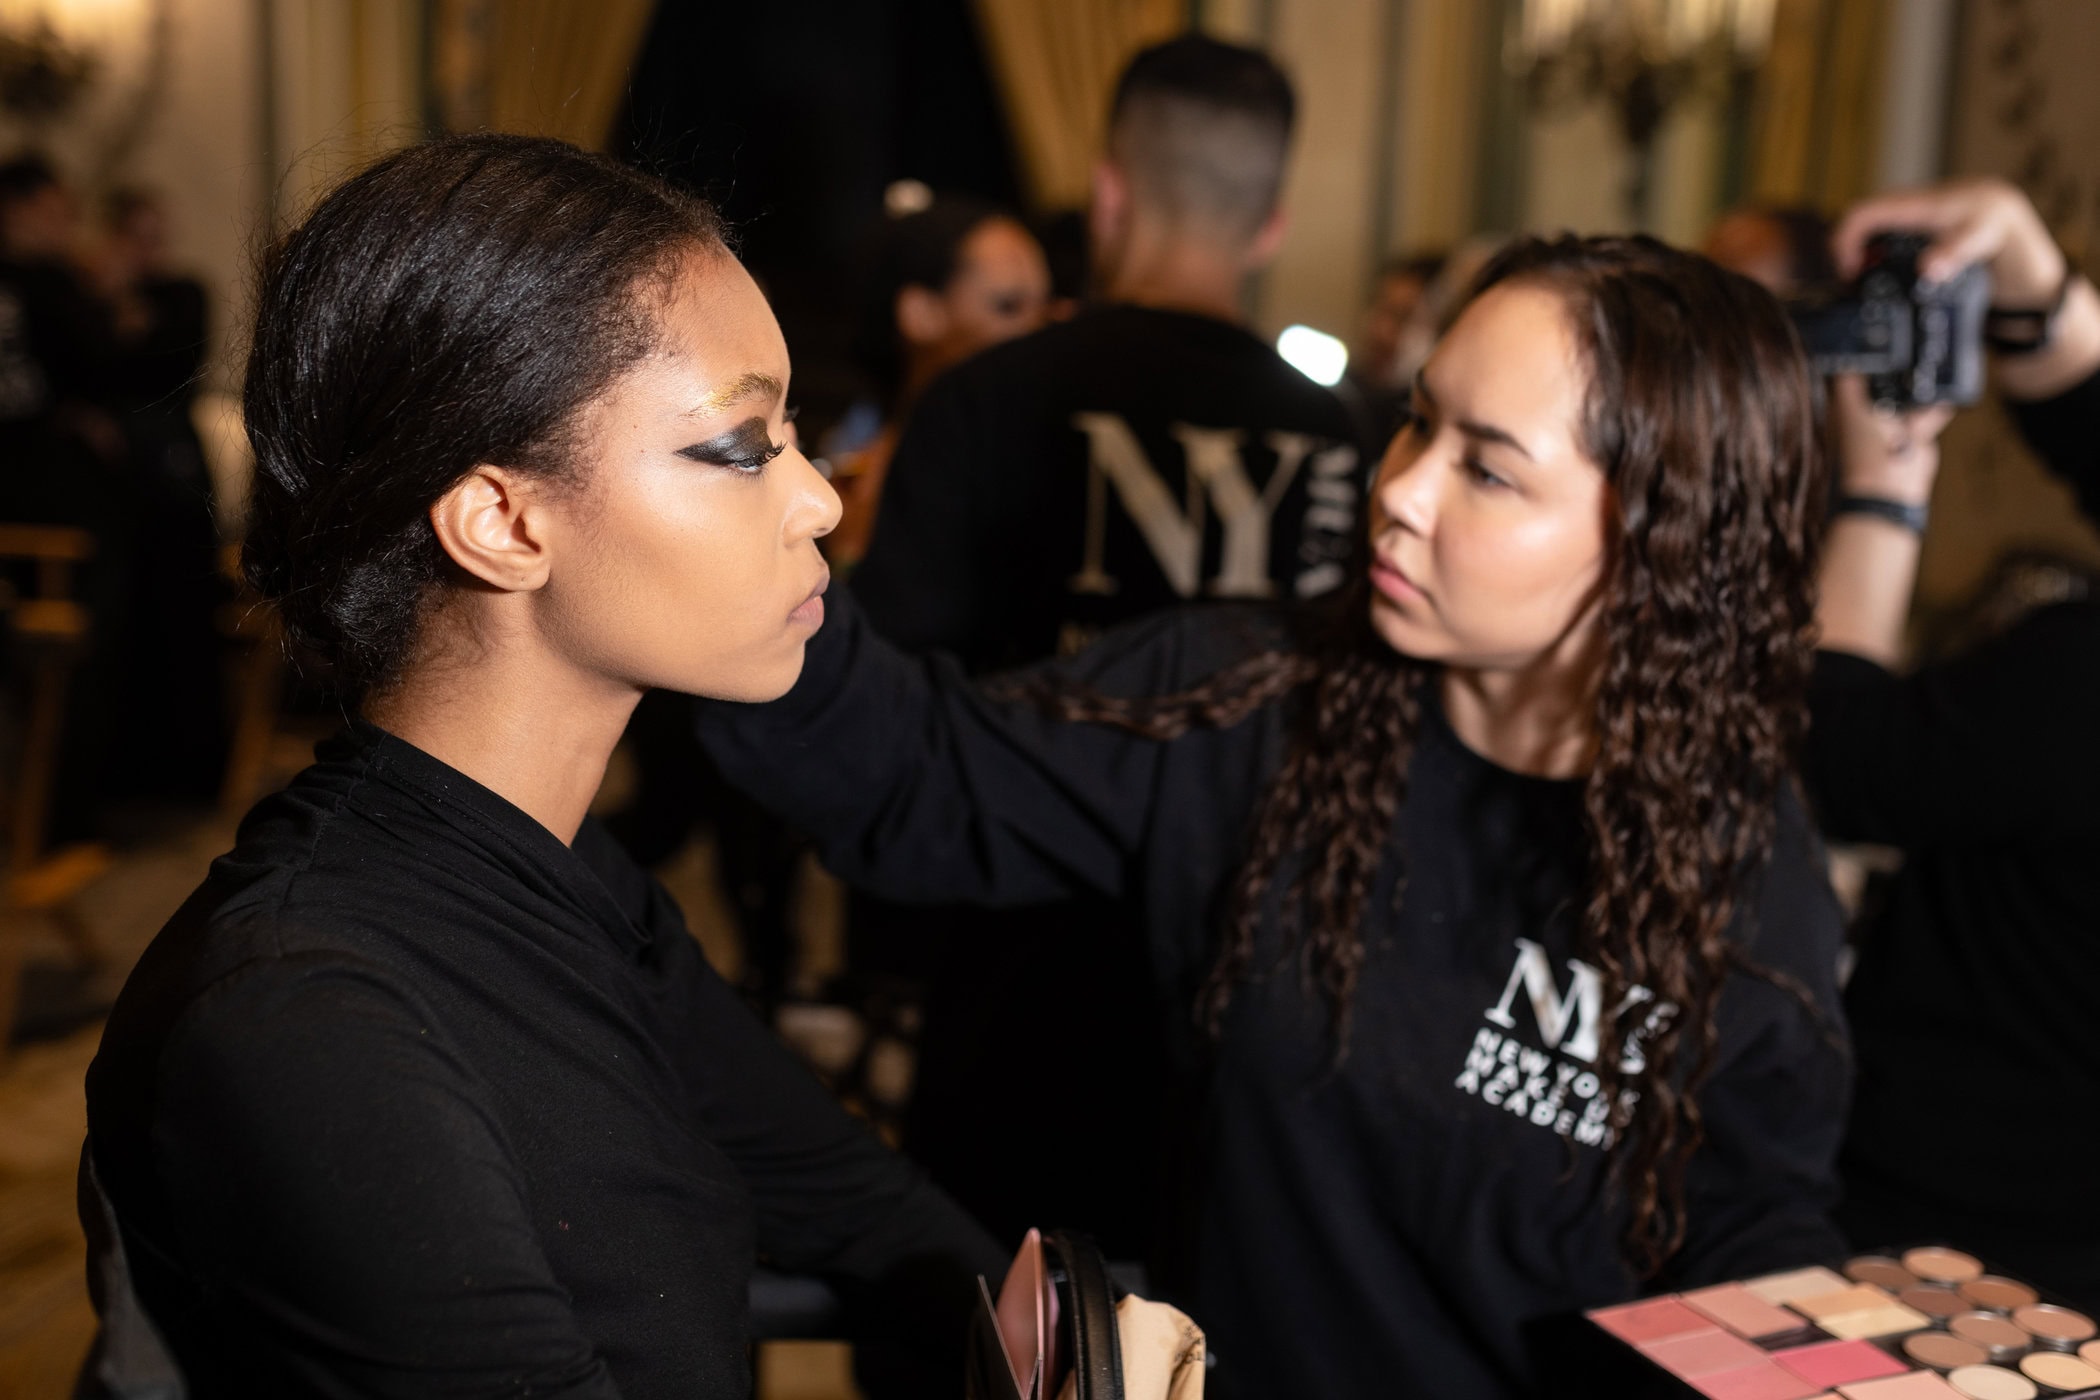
(412, 1099)
(1975, 991)
(1394, 1227)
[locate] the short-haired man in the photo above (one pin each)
(1151, 449)
(1148, 451)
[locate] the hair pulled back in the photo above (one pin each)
(1698, 410)
(455, 304)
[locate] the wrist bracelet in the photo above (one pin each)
(2028, 330)
(1910, 517)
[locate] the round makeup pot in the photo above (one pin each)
(1998, 1295)
(1991, 1383)
(1936, 1264)
(2058, 1374)
(2055, 1328)
(2001, 1338)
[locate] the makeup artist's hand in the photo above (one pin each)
(1986, 221)
(1881, 452)
(1991, 222)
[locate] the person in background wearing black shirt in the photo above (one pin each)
(172, 738)
(1151, 449)
(1510, 952)
(427, 1089)
(63, 459)
(951, 279)
(1974, 989)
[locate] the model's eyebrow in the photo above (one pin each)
(1486, 432)
(749, 385)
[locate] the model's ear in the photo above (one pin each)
(492, 523)
(922, 317)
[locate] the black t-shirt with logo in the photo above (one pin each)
(1101, 469)
(1404, 1224)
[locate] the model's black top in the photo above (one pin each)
(1393, 1227)
(411, 1099)
(1103, 468)
(1974, 996)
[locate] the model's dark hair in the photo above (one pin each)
(457, 303)
(1697, 407)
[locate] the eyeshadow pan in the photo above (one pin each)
(1998, 1295)
(1839, 1363)
(2090, 1353)
(1763, 1381)
(1741, 1311)
(1918, 1385)
(1937, 1303)
(1942, 1352)
(1881, 1271)
(1651, 1321)
(1798, 1283)
(1935, 1264)
(2054, 1369)
(1701, 1353)
(1862, 1297)
(2001, 1337)
(2054, 1327)
(1890, 1321)
(1991, 1383)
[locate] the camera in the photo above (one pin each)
(1917, 343)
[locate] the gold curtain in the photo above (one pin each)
(1056, 63)
(1816, 122)
(559, 67)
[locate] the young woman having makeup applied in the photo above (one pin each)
(1508, 943)
(427, 1090)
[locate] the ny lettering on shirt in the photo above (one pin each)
(1216, 480)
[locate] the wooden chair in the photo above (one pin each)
(50, 633)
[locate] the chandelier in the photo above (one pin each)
(82, 75)
(1639, 57)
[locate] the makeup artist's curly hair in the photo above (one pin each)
(1698, 410)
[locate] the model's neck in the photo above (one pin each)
(1539, 720)
(1164, 272)
(533, 730)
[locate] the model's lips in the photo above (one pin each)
(1392, 581)
(811, 609)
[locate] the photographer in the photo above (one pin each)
(1974, 996)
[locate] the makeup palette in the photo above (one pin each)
(1931, 1323)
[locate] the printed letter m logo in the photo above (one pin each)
(1567, 1023)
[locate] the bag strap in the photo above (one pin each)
(1090, 1305)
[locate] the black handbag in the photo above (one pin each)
(1086, 1329)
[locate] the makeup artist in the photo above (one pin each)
(1974, 1001)
(1498, 952)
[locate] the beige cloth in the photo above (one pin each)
(1162, 1353)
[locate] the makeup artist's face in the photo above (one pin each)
(689, 559)
(1487, 520)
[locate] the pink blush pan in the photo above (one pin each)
(1699, 1354)
(1742, 1312)
(1828, 1364)
(1763, 1381)
(1653, 1321)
